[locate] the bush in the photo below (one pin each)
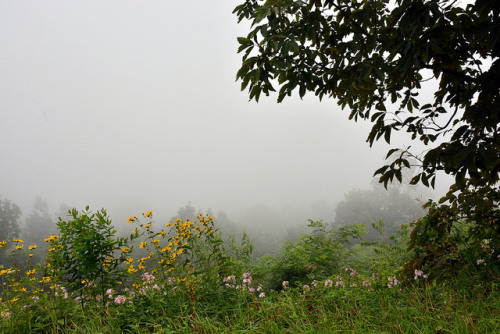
(315, 255)
(82, 257)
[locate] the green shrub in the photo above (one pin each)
(313, 256)
(83, 257)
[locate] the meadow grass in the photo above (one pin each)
(185, 281)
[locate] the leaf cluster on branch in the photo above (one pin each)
(374, 57)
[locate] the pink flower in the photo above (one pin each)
(262, 295)
(120, 299)
(328, 283)
(392, 281)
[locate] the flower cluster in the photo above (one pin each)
(419, 273)
(352, 271)
(393, 281)
(246, 284)
(148, 283)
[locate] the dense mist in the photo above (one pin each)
(133, 106)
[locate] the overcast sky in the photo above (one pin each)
(133, 106)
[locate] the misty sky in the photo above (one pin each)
(133, 106)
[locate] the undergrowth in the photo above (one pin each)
(185, 278)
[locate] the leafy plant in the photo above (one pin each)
(83, 256)
(313, 255)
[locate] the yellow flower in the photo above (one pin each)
(30, 272)
(142, 244)
(52, 237)
(32, 247)
(131, 219)
(4, 272)
(17, 240)
(129, 260)
(45, 279)
(162, 233)
(20, 247)
(125, 249)
(3, 243)
(131, 269)
(149, 213)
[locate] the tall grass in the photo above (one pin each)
(207, 287)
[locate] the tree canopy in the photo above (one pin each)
(9, 220)
(375, 58)
(366, 206)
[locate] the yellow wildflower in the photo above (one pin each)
(20, 247)
(3, 243)
(52, 237)
(149, 213)
(17, 240)
(5, 272)
(131, 219)
(163, 250)
(131, 269)
(142, 244)
(45, 279)
(32, 247)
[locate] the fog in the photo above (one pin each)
(133, 106)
